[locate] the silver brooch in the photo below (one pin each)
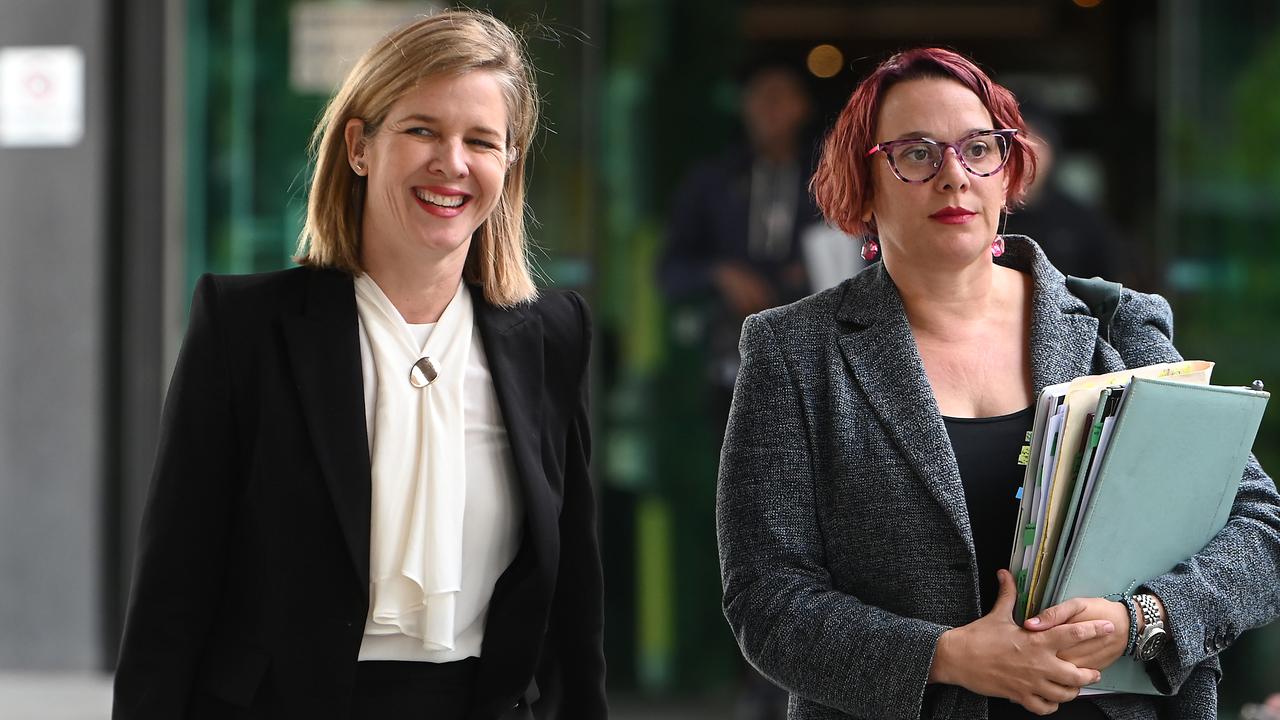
(423, 373)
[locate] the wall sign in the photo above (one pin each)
(326, 38)
(41, 96)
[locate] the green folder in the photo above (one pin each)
(1165, 486)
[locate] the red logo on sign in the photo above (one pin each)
(38, 84)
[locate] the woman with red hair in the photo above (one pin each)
(869, 467)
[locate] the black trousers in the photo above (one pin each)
(392, 690)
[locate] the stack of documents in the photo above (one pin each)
(1127, 475)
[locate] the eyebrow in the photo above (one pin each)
(913, 134)
(480, 129)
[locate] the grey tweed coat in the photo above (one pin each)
(845, 546)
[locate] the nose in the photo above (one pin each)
(448, 159)
(952, 175)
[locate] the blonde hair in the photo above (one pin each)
(451, 42)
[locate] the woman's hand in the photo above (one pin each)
(992, 656)
(1099, 652)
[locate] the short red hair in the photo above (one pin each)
(842, 182)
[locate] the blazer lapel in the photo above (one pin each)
(513, 345)
(324, 347)
(1063, 332)
(881, 354)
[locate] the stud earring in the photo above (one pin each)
(870, 248)
(997, 246)
(359, 168)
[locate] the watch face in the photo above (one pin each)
(1153, 641)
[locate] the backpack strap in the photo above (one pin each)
(1102, 297)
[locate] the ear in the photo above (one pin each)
(353, 133)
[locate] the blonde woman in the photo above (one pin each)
(371, 496)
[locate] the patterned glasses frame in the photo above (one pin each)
(1004, 135)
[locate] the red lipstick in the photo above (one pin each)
(436, 200)
(442, 190)
(952, 215)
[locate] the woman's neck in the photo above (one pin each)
(420, 291)
(946, 301)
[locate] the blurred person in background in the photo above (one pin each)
(733, 240)
(863, 508)
(734, 246)
(371, 496)
(1077, 239)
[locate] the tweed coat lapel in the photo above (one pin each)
(881, 354)
(1063, 332)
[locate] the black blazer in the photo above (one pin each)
(252, 582)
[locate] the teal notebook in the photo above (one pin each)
(1164, 488)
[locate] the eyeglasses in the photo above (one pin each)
(917, 160)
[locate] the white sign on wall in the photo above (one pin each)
(326, 38)
(41, 96)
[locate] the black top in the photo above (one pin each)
(987, 451)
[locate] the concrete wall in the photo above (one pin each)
(53, 363)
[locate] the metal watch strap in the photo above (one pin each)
(1150, 612)
(1154, 638)
(1130, 647)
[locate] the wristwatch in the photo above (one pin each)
(1153, 639)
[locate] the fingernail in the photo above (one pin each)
(1034, 621)
(1097, 677)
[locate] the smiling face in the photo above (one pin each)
(950, 220)
(435, 168)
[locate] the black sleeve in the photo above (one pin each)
(181, 549)
(577, 611)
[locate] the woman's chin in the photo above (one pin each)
(948, 250)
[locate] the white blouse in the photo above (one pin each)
(492, 519)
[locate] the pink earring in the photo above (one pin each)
(870, 248)
(997, 246)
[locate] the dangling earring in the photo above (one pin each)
(997, 245)
(870, 248)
